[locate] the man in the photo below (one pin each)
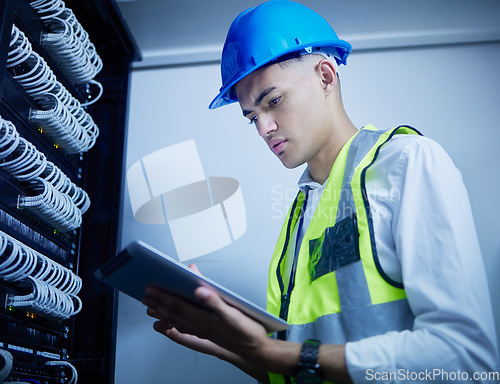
(377, 268)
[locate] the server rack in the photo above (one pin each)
(85, 340)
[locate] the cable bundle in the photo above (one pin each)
(74, 377)
(53, 207)
(62, 183)
(67, 42)
(6, 361)
(57, 200)
(48, 8)
(54, 287)
(64, 127)
(26, 162)
(18, 262)
(47, 301)
(62, 116)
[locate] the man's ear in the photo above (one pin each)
(328, 75)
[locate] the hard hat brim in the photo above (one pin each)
(225, 95)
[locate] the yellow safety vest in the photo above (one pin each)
(337, 291)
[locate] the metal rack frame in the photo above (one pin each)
(87, 339)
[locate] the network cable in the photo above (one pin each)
(67, 42)
(46, 301)
(7, 360)
(18, 262)
(74, 377)
(53, 288)
(56, 199)
(61, 116)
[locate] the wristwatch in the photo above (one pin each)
(307, 371)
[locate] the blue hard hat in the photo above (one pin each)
(267, 32)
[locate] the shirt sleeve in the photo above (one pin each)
(426, 238)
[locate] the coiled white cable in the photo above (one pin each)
(101, 91)
(7, 364)
(48, 8)
(9, 138)
(54, 287)
(61, 182)
(21, 52)
(59, 202)
(46, 301)
(74, 377)
(69, 45)
(18, 262)
(59, 123)
(62, 116)
(54, 207)
(22, 160)
(28, 165)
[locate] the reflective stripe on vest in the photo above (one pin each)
(340, 293)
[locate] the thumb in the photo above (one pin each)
(210, 298)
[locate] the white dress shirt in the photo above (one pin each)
(425, 237)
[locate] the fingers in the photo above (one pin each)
(182, 314)
(188, 340)
(171, 309)
(215, 320)
(210, 299)
(159, 299)
(214, 327)
(194, 268)
(151, 312)
(163, 327)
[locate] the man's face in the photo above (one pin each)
(287, 106)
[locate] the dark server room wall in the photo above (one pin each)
(64, 77)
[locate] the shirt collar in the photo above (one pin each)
(306, 181)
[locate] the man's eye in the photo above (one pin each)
(253, 120)
(275, 101)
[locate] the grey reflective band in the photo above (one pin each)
(368, 211)
(355, 323)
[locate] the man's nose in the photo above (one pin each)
(266, 125)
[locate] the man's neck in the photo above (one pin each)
(321, 166)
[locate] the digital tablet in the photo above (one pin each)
(140, 265)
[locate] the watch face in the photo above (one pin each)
(307, 376)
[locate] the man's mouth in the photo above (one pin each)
(277, 146)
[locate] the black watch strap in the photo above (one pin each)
(309, 353)
(307, 370)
